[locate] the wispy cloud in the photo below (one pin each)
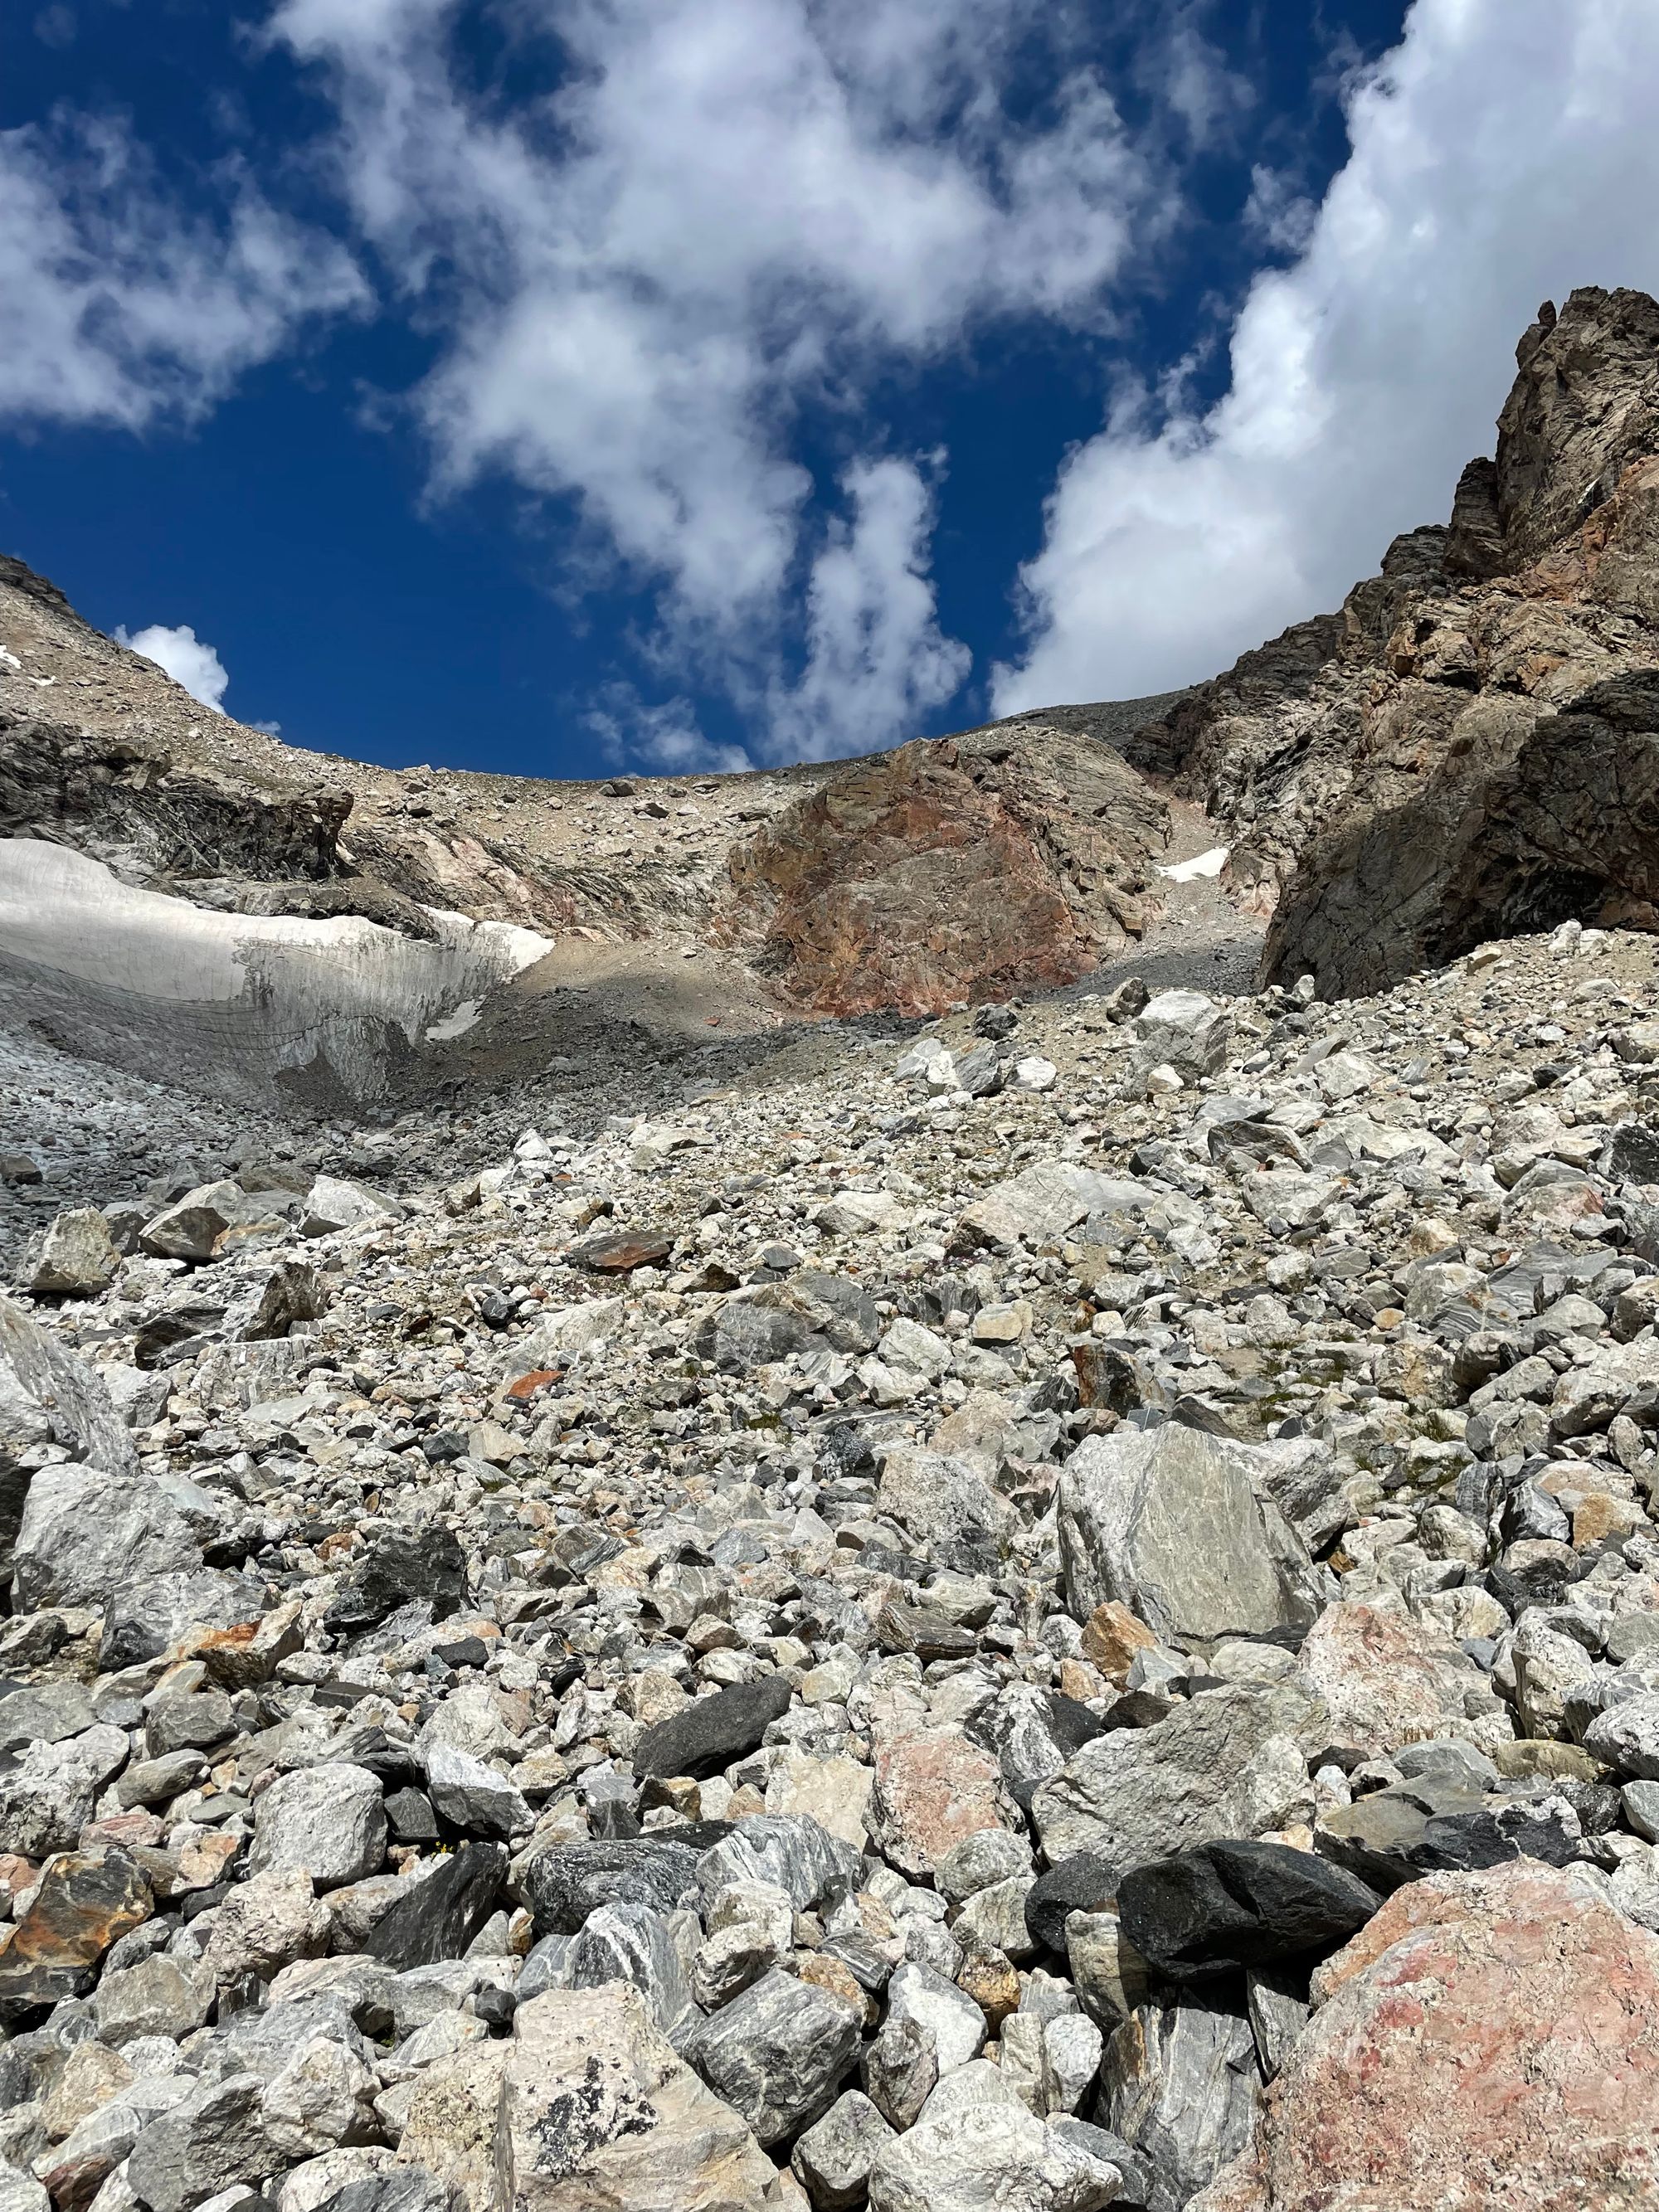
(119, 304)
(731, 211)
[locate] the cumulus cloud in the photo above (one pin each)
(187, 658)
(119, 304)
(730, 210)
(1502, 153)
(877, 660)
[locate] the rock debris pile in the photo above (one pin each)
(1060, 1616)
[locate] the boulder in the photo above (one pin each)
(1235, 1903)
(1040, 1203)
(214, 2137)
(439, 1916)
(566, 1883)
(593, 2109)
(958, 868)
(1488, 2038)
(1227, 1763)
(1387, 1679)
(932, 1787)
(935, 1494)
(1182, 1029)
(989, 2155)
(75, 1258)
(778, 2053)
(84, 1902)
(1181, 2084)
(1167, 1522)
(49, 1395)
(712, 1732)
(832, 2160)
(329, 1819)
(403, 1567)
(85, 1536)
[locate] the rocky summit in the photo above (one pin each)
(774, 1492)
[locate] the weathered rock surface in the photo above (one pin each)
(1465, 751)
(969, 867)
(1490, 2037)
(1166, 1521)
(1227, 1765)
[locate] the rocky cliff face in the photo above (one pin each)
(1395, 775)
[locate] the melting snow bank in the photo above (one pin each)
(1202, 864)
(254, 1007)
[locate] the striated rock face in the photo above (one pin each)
(1488, 2039)
(1465, 749)
(969, 868)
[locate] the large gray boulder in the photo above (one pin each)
(1169, 1522)
(75, 1257)
(778, 2053)
(1182, 2083)
(1230, 1762)
(85, 1535)
(50, 1395)
(329, 1819)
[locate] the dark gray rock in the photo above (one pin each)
(1084, 1882)
(441, 1916)
(1238, 1903)
(403, 1566)
(1181, 2084)
(564, 1884)
(212, 2140)
(713, 1732)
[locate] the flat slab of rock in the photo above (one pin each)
(1042, 1202)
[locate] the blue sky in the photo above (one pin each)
(562, 385)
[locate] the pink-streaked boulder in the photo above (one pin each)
(1487, 2043)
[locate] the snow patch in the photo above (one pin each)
(1203, 864)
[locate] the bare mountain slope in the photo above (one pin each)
(1010, 859)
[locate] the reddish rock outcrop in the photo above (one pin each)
(961, 868)
(1488, 2043)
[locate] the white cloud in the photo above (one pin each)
(730, 210)
(187, 658)
(116, 305)
(1504, 153)
(876, 658)
(665, 737)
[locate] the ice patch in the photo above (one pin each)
(455, 1024)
